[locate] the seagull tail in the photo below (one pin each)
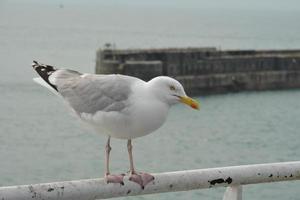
(45, 72)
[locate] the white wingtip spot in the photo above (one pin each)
(35, 64)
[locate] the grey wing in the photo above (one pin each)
(92, 93)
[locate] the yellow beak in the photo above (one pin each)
(190, 102)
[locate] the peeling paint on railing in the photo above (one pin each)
(164, 182)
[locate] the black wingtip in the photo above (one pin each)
(34, 63)
(44, 71)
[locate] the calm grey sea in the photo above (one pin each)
(41, 142)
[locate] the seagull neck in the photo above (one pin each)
(154, 91)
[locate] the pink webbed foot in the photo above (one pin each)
(147, 178)
(141, 178)
(110, 178)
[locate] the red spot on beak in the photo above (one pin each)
(195, 106)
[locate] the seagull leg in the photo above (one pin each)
(109, 178)
(135, 177)
(140, 178)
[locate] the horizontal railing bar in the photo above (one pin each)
(164, 182)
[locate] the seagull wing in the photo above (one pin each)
(90, 93)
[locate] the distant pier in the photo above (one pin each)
(207, 70)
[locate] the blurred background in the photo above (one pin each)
(41, 142)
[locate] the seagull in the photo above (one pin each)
(118, 106)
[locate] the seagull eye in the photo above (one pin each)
(172, 87)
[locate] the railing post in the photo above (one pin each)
(233, 193)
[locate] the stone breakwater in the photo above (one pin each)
(207, 70)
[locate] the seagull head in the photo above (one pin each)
(171, 91)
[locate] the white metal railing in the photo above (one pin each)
(233, 177)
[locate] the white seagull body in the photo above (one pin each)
(116, 105)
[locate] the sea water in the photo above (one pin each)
(40, 141)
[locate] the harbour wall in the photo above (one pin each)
(207, 70)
